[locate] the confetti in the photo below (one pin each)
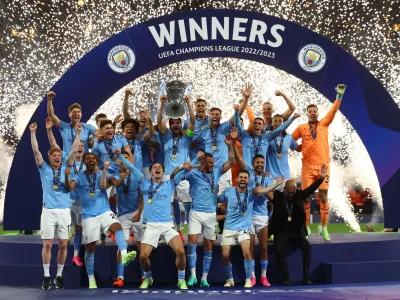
(42, 40)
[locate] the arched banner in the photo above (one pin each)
(215, 33)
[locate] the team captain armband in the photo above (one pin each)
(189, 133)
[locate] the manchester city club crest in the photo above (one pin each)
(311, 58)
(121, 59)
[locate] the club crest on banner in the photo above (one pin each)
(311, 58)
(121, 59)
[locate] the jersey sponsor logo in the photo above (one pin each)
(121, 59)
(312, 58)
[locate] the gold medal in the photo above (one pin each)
(55, 187)
(289, 218)
(214, 148)
(173, 156)
(243, 215)
(149, 201)
(279, 155)
(91, 194)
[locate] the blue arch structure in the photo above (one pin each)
(215, 33)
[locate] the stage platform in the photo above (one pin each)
(347, 258)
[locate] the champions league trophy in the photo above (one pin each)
(175, 104)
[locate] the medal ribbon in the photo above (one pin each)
(214, 133)
(108, 146)
(92, 184)
(256, 148)
(175, 144)
(262, 180)
(242, 205)
(153, 192)
(151, 153)
(279, 143)
(313, 133)
(56, 175)
(289, 208)
(127, 184)
(77, 171)
(211, 182)
(73, 134)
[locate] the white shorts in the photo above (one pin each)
(146, 173)
(111, 191)
(258, 223)
(76, 213)
(94, 226)
(127, 225)
(181, 190)
(203, 223)
(229, 237)
(153, 232)
(55, 223)
(225, 182)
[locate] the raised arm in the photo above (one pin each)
(160, 122)
(75, 145)
(135, 172)
(103, 180)
(147, 136)
(246, 93)
(251, 116)
(272, 134)
(314, 186)
(236, 151)
(263, 191)
(69, 184)
(186, 167)
(50, 108)
(231, 156)
(192, 117)
(289, 103)
(50, 135)
(125, 105)
(328, 119)
(237, 123)
(35, 147)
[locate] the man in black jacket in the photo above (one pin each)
(288, 223)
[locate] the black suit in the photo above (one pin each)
(292, 232)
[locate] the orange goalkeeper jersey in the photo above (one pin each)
(316, 151)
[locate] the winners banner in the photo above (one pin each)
(215, 33)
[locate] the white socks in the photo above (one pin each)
(204, 277)
(46, 269)
(193, 272)
(123, 252)
(91, 277)
(76, 252)
(263, 273)
(60, 269)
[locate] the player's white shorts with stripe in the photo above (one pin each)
(229, 237)
(94, 226)
(181, 190)
(153, 232)
(203, 223)
(258, 223)
(146, 173)
(225, 181)
(111, 191)
(55, 223)
(127, 225)
(76, 213)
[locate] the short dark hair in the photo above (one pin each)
(258, 118)
(258, 156)
(134, 122)
(170, 119)
(216, 108)
(208, 155)
(105, 122)
(90, 153)
(278, 115)
(98, 116)
(124, 152)
(156, 162)
(200, 100)
(312, 105)
(243, 171)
